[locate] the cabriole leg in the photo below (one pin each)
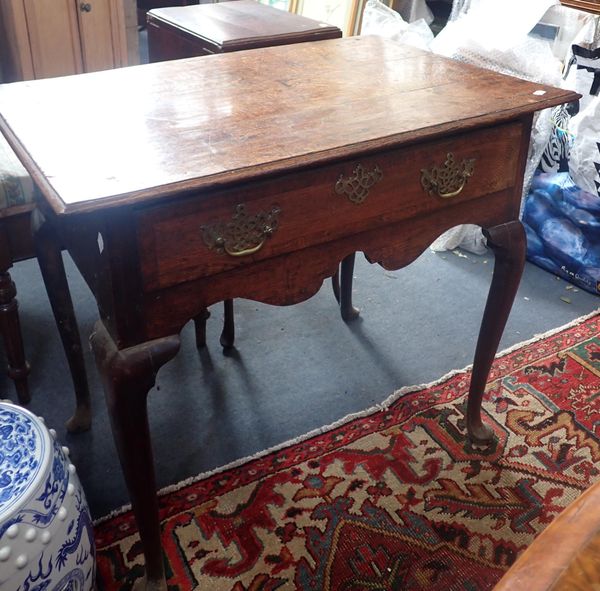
(341, 283)
(200, 328)
(509, 244)
(127, 376)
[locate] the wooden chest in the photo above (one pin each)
(189, 31)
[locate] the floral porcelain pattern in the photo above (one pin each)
(46, 532)
(22, 449)
(41, 510)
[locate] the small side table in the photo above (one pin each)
(189, 31)
(143, 6)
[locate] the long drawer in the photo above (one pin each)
(212, 232)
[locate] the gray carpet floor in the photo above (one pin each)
(294, 369)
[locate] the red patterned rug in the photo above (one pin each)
(396, 500)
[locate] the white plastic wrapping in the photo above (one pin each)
(567, 23)
(378, 19)
(584, 65)
(413, 10)
(494, 35)
(583, 76)
(459, 8)
(584, 159)
(489, 35)
(466, 236)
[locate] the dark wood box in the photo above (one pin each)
(188, 31)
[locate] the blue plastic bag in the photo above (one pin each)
(562, 222)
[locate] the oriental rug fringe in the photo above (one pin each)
(396, 499)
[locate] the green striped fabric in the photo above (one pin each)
(16, 186)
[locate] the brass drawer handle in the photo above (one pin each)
(448, 180)
(243, 253)
(244, 234)
(357, 186)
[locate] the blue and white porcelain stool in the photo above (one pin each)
(46, 534)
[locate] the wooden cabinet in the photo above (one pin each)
(45, 38)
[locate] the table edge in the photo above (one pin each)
(231, 177)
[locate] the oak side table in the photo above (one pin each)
(255, 174)
(188, 31)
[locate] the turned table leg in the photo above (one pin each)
(49, 256)
(200, 328)
(342, 288)
(127, 376)
(228, 333)
(509, 244)
(10, 328)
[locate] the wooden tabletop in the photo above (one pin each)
(148, 132)
(566, 555)
(227, 26)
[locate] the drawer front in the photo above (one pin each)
(212, 232)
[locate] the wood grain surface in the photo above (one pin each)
(587, 5)
(566, 555)
(311, 210)
(150, 132)
(231, 26)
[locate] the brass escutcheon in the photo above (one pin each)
(450, 179)
(357, 186)
(244, 234)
